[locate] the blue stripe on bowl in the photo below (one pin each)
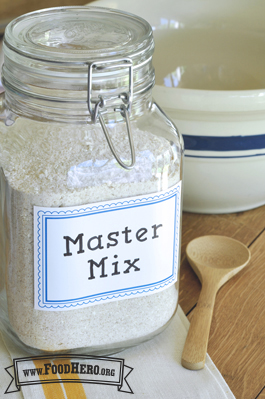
(217, 143)
(224, 157)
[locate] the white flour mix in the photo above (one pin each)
(64, 165)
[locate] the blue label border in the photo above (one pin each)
(42, 267)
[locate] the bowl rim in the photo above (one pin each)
(210, 100)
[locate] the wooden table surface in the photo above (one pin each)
(237, 336)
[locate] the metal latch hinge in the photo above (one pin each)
(100, 103)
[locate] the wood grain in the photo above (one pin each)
(254, 218)
(215, 260)
(237, 335)
(238, 350)
(234, 225)
(12, 9)
(261, 394)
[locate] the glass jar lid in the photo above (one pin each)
(55, 49)
(67, 34)
(76, 63)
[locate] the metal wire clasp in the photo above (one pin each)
(123, 106)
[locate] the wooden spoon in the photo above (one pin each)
(215, 259)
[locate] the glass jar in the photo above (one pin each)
(91, 173)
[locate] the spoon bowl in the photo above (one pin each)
(215, 259)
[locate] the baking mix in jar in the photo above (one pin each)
(91, 173)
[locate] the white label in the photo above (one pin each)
(113, 250)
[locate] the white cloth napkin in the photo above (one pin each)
(157, 372)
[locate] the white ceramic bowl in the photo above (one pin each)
(210, 80)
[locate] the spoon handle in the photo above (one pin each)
(194, 353)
